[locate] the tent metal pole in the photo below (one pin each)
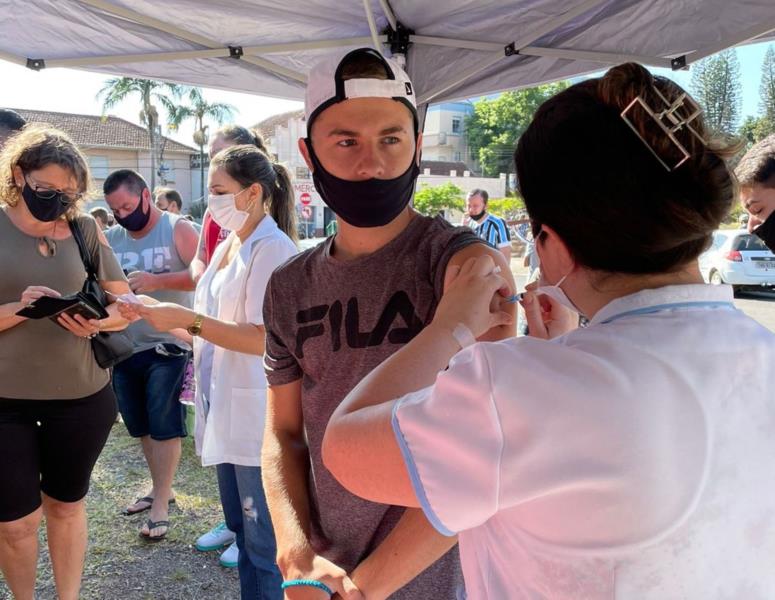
(741, 38)
(570, 53)
(313, 45)
(611, 58)
(372, 25)
(194, 54)
(389, 14)
(188, 36)
(94, 61)
(12, 58)
(142, 19)
(428, 40)
(518, 44)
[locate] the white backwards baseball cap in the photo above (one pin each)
(325, 85)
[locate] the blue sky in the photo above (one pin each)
(67, 90)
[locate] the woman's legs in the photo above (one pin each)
(19, 554)
(71, 436)
(67, 539)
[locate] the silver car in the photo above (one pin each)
(740, 259)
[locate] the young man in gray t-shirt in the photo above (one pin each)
(335, 312)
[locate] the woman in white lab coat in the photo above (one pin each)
(252, 198)
(629, 459)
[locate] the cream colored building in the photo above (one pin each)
(113, 143)
(444, 134)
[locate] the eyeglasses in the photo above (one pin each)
(48, 194)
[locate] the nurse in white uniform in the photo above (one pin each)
(630, 459)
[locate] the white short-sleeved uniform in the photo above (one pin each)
(633, 459)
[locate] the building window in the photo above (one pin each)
(302, 173)
(458, 157)
(456, 122)
(99, 167)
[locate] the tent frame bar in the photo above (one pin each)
(389, 14)
(611, 58)
(190, 37)
(571, 53)
(220, 52)
(13, 58)
(372, 26)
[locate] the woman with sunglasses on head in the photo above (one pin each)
(56, 403)
(637, 463)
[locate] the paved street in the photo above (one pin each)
(760, 306)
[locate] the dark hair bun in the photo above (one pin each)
(583, 171)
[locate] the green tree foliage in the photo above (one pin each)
(717, 88)
(507, 207)
(150, 93)
(496, 124)
(767, 90)
(754, 129)
(431, 201)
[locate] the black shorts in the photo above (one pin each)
(50, 446)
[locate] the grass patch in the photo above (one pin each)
(119, 564)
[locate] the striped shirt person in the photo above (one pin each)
(490, 228)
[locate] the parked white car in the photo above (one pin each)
(740, 259)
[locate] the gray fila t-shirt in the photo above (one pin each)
(329, 323)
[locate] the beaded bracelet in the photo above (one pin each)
(309, 583)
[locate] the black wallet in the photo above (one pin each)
(75, 304)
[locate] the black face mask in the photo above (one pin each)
(369, 203)
(45, 209)
(135, 220)
(766, 231)
(477, 216)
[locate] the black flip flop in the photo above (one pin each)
(126, 512)
(153, 525)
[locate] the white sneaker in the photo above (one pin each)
(229, 557)
(215, 539)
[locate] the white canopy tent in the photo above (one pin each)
(453, 48)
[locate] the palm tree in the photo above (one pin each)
(118, 89)
(200, 110)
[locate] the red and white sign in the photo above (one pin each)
(305, 199)
(306, 212)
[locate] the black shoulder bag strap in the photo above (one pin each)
(91, 285)
(83, 250)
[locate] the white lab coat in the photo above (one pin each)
(232, 431)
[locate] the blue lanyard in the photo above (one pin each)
(660, 307)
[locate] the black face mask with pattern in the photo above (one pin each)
(368, 203)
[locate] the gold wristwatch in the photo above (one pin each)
(196, 327)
